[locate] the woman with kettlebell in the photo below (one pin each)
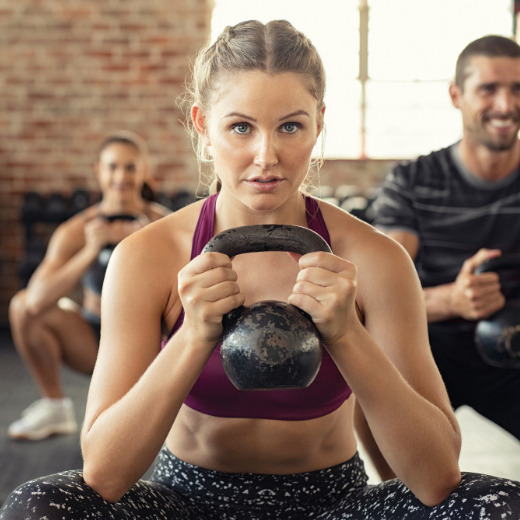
(49, 328)
(258, 104)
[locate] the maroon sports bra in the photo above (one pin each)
(214, 394)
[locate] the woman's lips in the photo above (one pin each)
(264, 185)
(120, 187)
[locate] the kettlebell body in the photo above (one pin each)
(96, 275)
(269, 345)
(498, 337)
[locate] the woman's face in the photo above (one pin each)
(121, 171)
(261, 129)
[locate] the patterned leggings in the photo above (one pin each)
(181, 491)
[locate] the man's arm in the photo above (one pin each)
(470, 296)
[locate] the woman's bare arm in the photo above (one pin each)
(389, 366)
(66, 260)
(395, 378)
(72, 250)
(136, 390)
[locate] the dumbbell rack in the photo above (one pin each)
(53, 209)
(50, 210)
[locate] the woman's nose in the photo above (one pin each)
(119, 173)
(266, 156)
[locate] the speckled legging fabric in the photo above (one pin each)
(180, 491)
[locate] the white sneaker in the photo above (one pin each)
(43, 418)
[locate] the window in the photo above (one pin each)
(412, 49)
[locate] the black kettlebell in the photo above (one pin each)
(96, 274)
(498, 337)
(269, 345)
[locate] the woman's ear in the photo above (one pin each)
(97, 170)
(199, 122)
(321, 117)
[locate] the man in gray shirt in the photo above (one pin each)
(452, 210)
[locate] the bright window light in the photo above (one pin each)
(412, 49)
(332, 26)
(413, 46)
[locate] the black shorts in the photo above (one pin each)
(493, 392)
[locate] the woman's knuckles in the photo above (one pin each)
(236, 300)
(214, 260)
(349, 286)
(300, 287)
(311, 259)
(226, 274)
(227, 288)
(297, 299)
(189, 300)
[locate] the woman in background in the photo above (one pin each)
(49, 328)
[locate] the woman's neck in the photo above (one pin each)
(111, 205)
(231, 212)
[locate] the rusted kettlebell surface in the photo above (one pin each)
(269, 345)
(498, 337)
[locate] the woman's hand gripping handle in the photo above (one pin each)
(326, 290)
(208, 289)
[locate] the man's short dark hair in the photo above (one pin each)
(491, 46)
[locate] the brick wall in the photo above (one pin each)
(72, 70)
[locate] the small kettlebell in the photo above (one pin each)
(498, 337)
(97, 272)
(269, 345)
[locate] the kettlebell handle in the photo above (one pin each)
(120, 216)
(499, 264)
(275, 237)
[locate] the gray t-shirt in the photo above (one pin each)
(451, 211)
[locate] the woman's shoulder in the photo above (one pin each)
(179, 222)
(357, 241)
(72, 228)
(384, 268)
(170, 235)
(153, 256)
(157, 211)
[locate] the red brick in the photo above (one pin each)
(77, 13)
(115, 68)
(99, 53)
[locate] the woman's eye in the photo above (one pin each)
(290, 128)
(241, 128)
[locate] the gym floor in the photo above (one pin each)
(485, 447)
